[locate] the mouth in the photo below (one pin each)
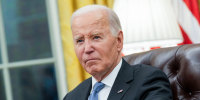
(90, 60)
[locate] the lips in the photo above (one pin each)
(91, 59)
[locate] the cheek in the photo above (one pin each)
(107, 53)
(111, 52)
(79, 53)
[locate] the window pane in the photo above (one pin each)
(26, 29)
(2, 90)
(0, 53)
(34, 83)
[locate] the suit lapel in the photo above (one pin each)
(121, 84)
(85, 90)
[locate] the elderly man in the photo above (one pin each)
(98, 41)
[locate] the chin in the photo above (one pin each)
(93, 70)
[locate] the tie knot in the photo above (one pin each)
(98, 86)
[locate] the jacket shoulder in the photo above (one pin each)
(153, 83)
(83, 87)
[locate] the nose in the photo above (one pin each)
(88, 47)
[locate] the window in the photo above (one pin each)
(2, 89)
(0, 52)
(35, 82)
(26, 29)
(31, 67)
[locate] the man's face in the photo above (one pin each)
(96, 48)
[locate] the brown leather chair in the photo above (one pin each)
(181, 64)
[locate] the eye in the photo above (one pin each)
(79, 41)
(96, 37)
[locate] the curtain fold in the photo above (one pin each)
(75, 73)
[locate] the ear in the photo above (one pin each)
(120, 41)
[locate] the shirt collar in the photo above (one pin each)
(109, 80)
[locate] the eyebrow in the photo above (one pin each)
(77, 37)
(92, 34)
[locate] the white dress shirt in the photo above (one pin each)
(108, 81)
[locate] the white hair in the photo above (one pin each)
(114, 22)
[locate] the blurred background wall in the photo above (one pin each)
(37, 58)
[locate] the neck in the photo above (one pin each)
(100, 77)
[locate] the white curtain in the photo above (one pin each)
(144, 21)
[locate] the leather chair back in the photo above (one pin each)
(181, 64)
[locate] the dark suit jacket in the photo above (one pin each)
(138, 82)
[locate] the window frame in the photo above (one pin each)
(56, 47)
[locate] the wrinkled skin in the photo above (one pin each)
(97, 49)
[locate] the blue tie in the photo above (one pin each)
(97, 87)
